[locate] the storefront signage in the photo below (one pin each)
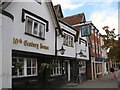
(29, 43)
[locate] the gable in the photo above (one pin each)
(58, 11)
(42, 5)
(75, 19)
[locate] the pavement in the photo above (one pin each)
(103, 82)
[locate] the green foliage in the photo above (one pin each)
(44, 66)
(111, 43)
(18, 65)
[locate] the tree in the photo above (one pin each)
(111, 43)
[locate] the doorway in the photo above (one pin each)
(67, 70)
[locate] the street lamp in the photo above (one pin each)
(62, 50)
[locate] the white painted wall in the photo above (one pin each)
(0, 51)
(79, 47)
(15, 8)
(17, 31)
(69, 51)
(6, 52)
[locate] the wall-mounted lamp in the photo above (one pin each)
(62, 50)
(81, 54)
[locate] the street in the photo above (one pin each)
(103, 82)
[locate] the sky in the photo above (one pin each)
(100, 12)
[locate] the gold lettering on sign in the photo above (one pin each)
(16, 40)
(29, 44)
(43, 46)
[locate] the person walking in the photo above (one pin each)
(112, 74)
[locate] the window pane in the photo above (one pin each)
(69, 41)
(21, 71)
(42, 30)
(14, 72)
(14, 60)
(65, 39)
(51, 71)
(28, 62)
(28, 71)
(60, 70)
(57, 70)
(34, 71)
(54, 70)
(72, 41)
(21, 60)
(33, 63)
(35, 29)
(29, 25)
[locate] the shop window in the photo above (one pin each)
(58, 69)
(68, 40)
(35, 27)
(28, 68)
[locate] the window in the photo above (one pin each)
(68, 40)
(58, 69)
(29, 67)
(35, 27)
(96, 48)
(83, 44)
(17, 72)
(99, 49)
(93, 45)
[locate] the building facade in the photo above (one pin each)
(96, 53)
(31, 41)
(28, 40)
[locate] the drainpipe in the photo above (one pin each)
(55, 43)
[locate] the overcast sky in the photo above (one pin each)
(100, 12)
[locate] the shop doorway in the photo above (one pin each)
(67, 70)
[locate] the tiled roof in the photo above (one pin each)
(74, 19)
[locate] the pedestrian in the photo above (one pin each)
(118, 77)
(112, 74)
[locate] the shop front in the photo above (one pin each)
(99, 65)
(27, 71)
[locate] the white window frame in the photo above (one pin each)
(68, 40)
(56, 69)
(39, 22)
(25, 67)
